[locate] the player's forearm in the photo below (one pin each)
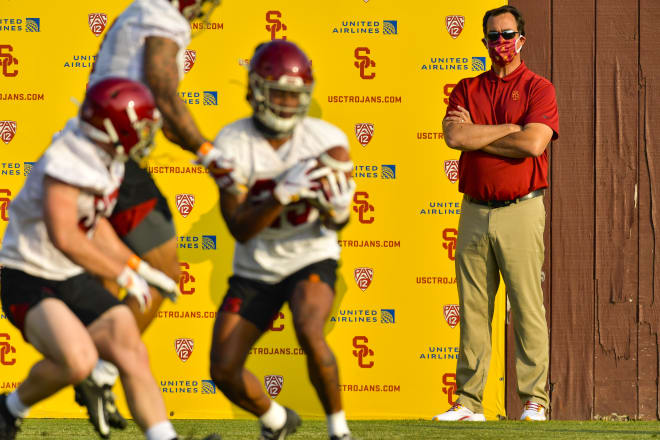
(105, 238)
(180, 123)
(84, 252)
(250, 219)
(471, 137)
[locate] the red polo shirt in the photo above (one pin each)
(519, 98)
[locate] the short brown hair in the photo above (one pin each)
(503, 10)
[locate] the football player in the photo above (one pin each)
(147, 43)
(284, 226)
(58, 239)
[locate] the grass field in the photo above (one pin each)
(365, 430)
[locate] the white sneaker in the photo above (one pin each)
(533, 412)
(459, 413)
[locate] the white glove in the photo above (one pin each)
(213, 160)
(166, 286)
(135, 286)
(298, 182)
(338, 204)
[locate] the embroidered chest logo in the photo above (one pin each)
(515, 95)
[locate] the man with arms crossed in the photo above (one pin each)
(502, 122)
(284, 226)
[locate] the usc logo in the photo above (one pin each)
(364, 62)
(275, 26)
(362, 207)
(362, 351)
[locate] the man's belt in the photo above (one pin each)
(503, 203)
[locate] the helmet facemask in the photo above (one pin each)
(280, 118)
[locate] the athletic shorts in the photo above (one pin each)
(142, 218)
(259, 302)
(83, 294)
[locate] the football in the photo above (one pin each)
(338, 160)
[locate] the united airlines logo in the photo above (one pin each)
(364, 62)
(7, 131)
(189, 58)
(210, 97)
(208, 386)
(208, 242)
(273, 384)
(388, 171)
(367, 27)
(454, 25)
(32, 24)
(387, 316)
(364, 131)
(184, 348)
(97, 22)
(451, 170)
(27, 168)
(478, 64)
(275, 25)
(363, 277)
(185, 203)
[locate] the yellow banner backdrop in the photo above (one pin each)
(383, 76)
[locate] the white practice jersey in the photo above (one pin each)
(122, 50)
(297, 238)
(72, 159)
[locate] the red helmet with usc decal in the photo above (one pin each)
(280, 68)
(121, 112)
(196, 9)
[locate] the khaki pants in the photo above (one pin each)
(509, 241)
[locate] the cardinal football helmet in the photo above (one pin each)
(280, 65)
(122, 112)
(196, 9)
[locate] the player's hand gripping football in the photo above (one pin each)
(337, 197)
(299, 182)
(213, 160)
(165, 285)
(135, 286)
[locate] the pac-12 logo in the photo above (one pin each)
(364, 62)
(185, 278)
(275, 25)
(450, 388)
(184, 348)
(189, 58)
(7, 131)
(273, 384)
(6, 349)
(454, 24)
(363, 351)
(364, 131)
(452, 314)
(7, 60)
(97, 22)
(451, 170)
(363, 277)
(4, 204)
(185, 203)
(449, 235)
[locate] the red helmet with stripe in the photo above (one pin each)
(121, 112)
